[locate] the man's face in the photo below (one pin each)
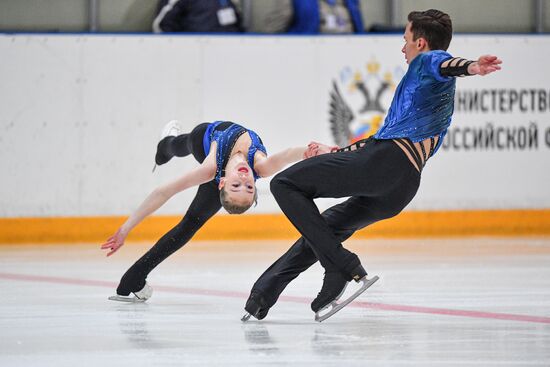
(411, 48)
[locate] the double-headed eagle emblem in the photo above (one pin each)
(347, 126)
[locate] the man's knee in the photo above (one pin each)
(278, 184)
(291, 179)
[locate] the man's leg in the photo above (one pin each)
(273, 281)
(330, 175)
(343, 219)
(379, 172)
(205, 204)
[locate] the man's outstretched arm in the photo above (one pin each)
(457, 66)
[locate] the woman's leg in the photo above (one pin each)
(182, 145)
(205, 204)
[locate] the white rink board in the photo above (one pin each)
(80, 115)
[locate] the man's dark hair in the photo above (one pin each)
(432, 25)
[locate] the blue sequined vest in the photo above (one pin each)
(226, 140)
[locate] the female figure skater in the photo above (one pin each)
(231, 158)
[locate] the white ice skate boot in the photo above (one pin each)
(172, 128)
(140, 296)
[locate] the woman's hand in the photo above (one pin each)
(115, 242)
(311, 151)
(319, 148)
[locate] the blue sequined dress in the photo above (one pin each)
(225, 137)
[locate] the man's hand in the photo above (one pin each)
(114, 242)
(486, 64)
(319, 148)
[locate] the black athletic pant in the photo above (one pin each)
(380, 181)
(205, 204)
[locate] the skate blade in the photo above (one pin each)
(245, 317)
(127, 299)
(154, 168)
(336, 306)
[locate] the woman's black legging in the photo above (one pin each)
(378, 178)
(205, 204)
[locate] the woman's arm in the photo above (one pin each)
(199, 175)
(267, 166)
(161, 194)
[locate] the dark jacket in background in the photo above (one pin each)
(193, 16)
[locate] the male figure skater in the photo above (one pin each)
(381, 175)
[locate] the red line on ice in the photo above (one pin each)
(234, 294)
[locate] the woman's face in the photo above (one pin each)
(239, 183)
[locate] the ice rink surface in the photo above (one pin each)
(439, 302)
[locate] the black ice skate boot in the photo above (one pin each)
(334, 285)
(256, 306)
(161, 157)
(169, 132)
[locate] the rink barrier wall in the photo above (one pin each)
(410, 224)
(91, 107)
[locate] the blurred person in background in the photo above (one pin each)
(266, 16)
(326, 16)
(199, 16)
